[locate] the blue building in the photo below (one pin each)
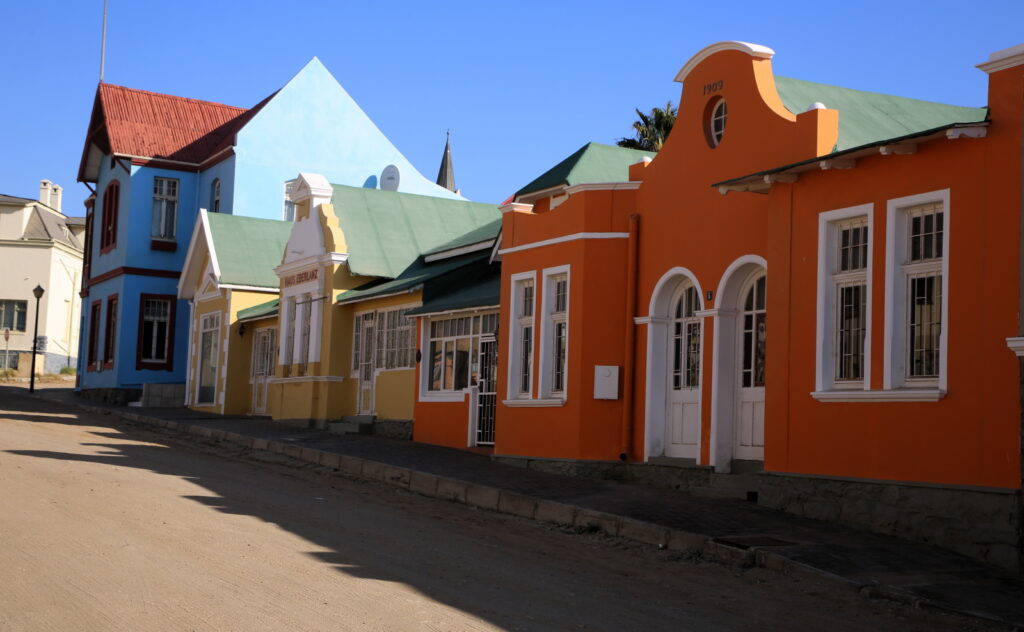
(153, 160)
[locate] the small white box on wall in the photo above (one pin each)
(606, 382)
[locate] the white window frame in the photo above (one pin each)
(897, 272)
(288, 210)
(547, 331)
(829, 225)
(426, 366)
(305, 315)
(209, 323)
(516, 325)
(719, 111)
(288, 325)
(215, 196)
(162, 201)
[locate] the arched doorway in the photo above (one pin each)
(675, 343)
(738, 392)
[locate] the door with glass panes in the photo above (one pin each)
(683, 428)
(264, 352)
(752, 330)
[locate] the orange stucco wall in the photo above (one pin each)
(970, 437)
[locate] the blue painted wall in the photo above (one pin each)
(312, 125)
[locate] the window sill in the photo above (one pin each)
(533, 403)
(163, 245)
(446, 396)
(900, 395)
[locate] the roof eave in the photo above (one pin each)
(761, 181)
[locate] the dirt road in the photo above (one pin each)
(108, 527)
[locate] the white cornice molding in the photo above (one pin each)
(517, 207)
(333, 258)
(312, 185)
(563, 239)
(754, 50)
(1003, 59)
(604, 186)
(972, 131)
(1016, 345)
(463, 250)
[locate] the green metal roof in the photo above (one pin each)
(869, 117)
(414, 276)
(262, 310)
(487, 232)
(248, 249)
(386, 231)
(591, 163)
(478, 286)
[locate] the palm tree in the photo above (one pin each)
(652, 129)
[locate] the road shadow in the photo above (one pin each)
(362, 537)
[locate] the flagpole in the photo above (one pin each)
(103, 41)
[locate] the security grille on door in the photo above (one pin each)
(263, 365)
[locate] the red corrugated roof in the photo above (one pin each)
(152, 125)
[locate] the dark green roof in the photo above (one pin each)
(591, 163)
(262, 310)
(869, 117)
(479, 285)
(248, 249)
(386, 231)
(414, 276)
(487, 232)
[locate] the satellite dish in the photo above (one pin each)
(389, 178)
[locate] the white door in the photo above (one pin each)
(749, 429)
(683, 428)
(263, 355)
(368, 347)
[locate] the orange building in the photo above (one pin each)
(882, 235)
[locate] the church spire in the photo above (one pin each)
(446, 174)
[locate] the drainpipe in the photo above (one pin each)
(630, 344)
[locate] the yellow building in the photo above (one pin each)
(228, 269)
(342, 359)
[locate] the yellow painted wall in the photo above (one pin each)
(238, 397)
(395, 393)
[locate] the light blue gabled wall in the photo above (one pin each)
(312, 125)
(225, 170)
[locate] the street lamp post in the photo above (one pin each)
(38, 293)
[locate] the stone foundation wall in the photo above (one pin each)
(393, 428)
(163, 395)
(981, 524)
(116, 396)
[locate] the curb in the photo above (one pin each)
(542, 510)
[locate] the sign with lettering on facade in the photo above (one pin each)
(301, 277)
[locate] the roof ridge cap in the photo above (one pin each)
(173, 96)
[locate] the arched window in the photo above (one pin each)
(111, 205)
(686, 326)
(215, 195)
(754, 334)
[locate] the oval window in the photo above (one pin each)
(717, 112)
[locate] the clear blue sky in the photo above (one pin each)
(520, 84)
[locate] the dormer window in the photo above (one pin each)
(717, 113)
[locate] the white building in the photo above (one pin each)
(39, 245)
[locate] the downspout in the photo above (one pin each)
(630, 343)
